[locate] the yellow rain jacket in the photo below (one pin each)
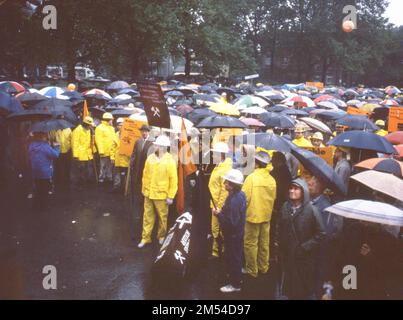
(382, 133)
(63, 137)
(121, 161)
(216, 183)
(302, 142)
(160, 177)
(81, 144)
(260, 191)
(104, 135)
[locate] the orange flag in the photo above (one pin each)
(85, 110)
(186, 168)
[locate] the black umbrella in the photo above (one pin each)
(278, 108)
(29, 115)
(122, 113)
(356, 122)
(73, 95)
(363, 140)
(221, 122)
(198, 115)
(57, 107)
(277, 121)
(98, 112)
(50, 125)
(329, 115)
(9, 104)
(268, 141)
(319, 168)
(29, 98)
(295, 112)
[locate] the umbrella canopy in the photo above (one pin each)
(176, 124)
(118, 85)
(369, 107)
(363, 140)
(129, 91)
(295, 112)
(395, 137)
(9, 104)
(184, 109)
(319, 168)
(29, 115)
(253, 110)
(383, 165)
(339, 103)
(225, 108)
(122, 113)
(303, 100)
(371, 211)
(98, 94)
(11, 87)
(389, 102)
(268, 141)
(53, 92)
(278, 108)
(98, 112)
(328, 105)
(29, 98)
(330, 115)
(356, 122)
(207, 99)
(198, 115)
(221, 122)
(355, 103)
(277, 120)
(317, 125)
(174, 93)
(392, 90)
(57, 107)
(273, 95)
(324, 97)
(73, 95)
(399, 150)
(50, 125)
(122, 97)
(250, 101)
(250, 122)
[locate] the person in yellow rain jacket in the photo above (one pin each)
(83, 149)
(317, 140)
(381, 132)
(159, 187)
(217, 189)
(63, 163)
(300, 139)
(104, 135)
(119, 161)
(260, 191)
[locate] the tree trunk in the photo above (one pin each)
(188, 61)
(135, 69)
(71, 71)
(324, 70)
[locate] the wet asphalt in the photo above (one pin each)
(90, 235)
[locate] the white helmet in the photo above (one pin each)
(234, 176)
(120, 121)
(162, 141)
(220, 147)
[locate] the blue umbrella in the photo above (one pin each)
(277, 121)
(198, 115)
(319, 168)
(130, 92)
(268, 141)
(73, 95)
(330, 115)
(278, 108)
(295, 112)
(355, 122)
(221, 122)
(363, 140)
(9, 104)
(29, 115)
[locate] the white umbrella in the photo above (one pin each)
(316, 124)
(123, 97)
(248, 100)
(328, 105)
(176, 122)
(253, 110)
(382, 182)
(371, 211)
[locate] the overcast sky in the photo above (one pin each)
(395, 12)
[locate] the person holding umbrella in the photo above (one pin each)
(260, 191)
(217, 189)
(104, 135)
(41, 156)
(300, 233)
(232, 222)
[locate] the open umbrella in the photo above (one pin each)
(303, 100)
(29, 115)
(317, 125)
(363, 140)
(328, 105)
(248, 101)
(225, 109)
(253, 110)
(184, 109)
(122, 113)
(11, 87)
(371, 211)
(129, 91)
(250, 122)
(399, 150)
(323, 97)
(221, 122)
(395, 137)
(329, 115)
(53, 92)
(356, 122)
(278, 108)
(9, 104)
(319, 168)
(268, 141)
(206, 99)
(98, 94)
(389, 102)
(277, 120)
(118, 85)
(57, 107)
(383, 165)
(29, 98)
(198, 115)
(50, 125)
(295, 112)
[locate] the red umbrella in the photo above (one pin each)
(11, 87)
(250, 122)
(399, 149)
(325, 97)
(395, 137)
(184, 109)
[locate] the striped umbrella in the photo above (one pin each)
(11, 87)
(53, 92)
(389, 102)
(303, 100)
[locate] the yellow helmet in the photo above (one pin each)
(299, 129)
(88, 120)
(71, 87)
(107, 116)
(317, 136)
(380, 123)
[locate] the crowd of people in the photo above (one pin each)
(271, 219)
